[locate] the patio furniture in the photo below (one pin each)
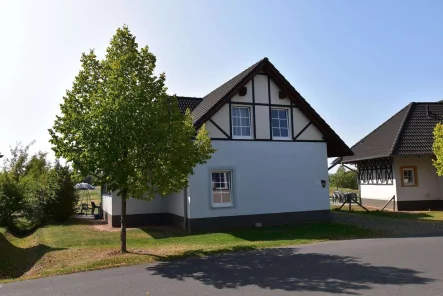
(84, 209)
(93, 207)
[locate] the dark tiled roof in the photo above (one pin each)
(187, 103)
(408, 132)
(417, 135)
(211, 99)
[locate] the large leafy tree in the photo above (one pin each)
(343, 179)
(437, 147)
(118, 122)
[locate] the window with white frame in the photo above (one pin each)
(280, 123)
(241, 122)
(221, 188)
(409, 176)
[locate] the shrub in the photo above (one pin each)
(33, 189)
(11, 199)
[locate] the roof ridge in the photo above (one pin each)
(188, 98)
(402, 124)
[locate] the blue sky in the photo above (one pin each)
(355, 62)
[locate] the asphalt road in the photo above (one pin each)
(388, 266)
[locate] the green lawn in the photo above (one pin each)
(77, 246)
(425, 215)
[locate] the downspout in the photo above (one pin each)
(185, 209)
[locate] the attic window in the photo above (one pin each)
(241, 122)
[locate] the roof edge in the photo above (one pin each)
(397, 136)
(198, 123)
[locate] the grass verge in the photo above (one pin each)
(75, 246)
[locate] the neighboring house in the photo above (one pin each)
(270, 166)
(396, 160)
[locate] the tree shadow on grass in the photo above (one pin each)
(15, 261)
(285, 269)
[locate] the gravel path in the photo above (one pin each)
(390, 226)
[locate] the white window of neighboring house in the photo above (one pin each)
(241, 122)
(221, 188)
(280, 123)
(409, 176)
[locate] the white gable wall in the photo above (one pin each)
(262, 90)
(275, 96)
(247, 98)
(262, 122)
(214, 132)
(221, 118)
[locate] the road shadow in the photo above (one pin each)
(15, 261)
(286, 269)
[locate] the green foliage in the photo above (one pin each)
(343, 179)
(437, 147)
(33, 189)
(118, 122)
(11, 198)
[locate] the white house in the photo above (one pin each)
(396, 160)
(270, 166)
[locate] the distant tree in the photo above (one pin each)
(118, 122)
(343, 179)
(437, 148)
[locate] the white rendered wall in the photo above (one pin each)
(107, 203)
(380, 192)
(269, 177)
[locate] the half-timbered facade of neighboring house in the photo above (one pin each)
(394, 161)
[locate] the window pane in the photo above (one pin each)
(235, 112)
(236, 121)
(244, 112)
(283, 114)
(284, 133)
(221, 177)
(237, 131)
(226, 197)
(274, 113)
(275, 132)
(275, 123)
(283, 123)
(216, 197)
(245, 131)
(244, 122)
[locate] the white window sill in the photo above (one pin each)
(241, 138)
(222, 205)
(280, 138)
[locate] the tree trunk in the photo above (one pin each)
(123, 224)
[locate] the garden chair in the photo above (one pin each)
(84, 209)
(335, 197)
(93, 207)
